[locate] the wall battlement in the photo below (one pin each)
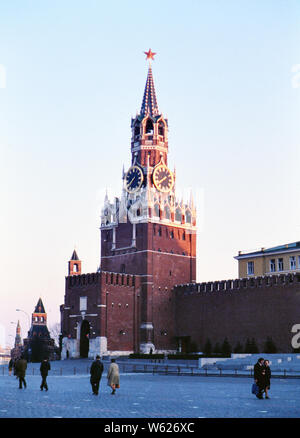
(112, 278)
(282, 280)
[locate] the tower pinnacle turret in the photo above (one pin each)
(74, 264)
(149, 104)
(149, 128)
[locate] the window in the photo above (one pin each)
(250, 268)
(149, 127)
(272, 265)
(160, 128)
(83, 303)
(75, 267)
(178, 215)
(136, 131)
(280, 264)
(167, 213)
(188, 217)
(292, 262)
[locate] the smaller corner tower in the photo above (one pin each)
(39, 316)
(39, 344)
(74, 264)
(18, 339)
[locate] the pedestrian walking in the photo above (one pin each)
(259, 377)
(10, 366)
(268, 377)
(44, 369)
(15, 365)
(113, 376)
(21, 367)
(96, 374)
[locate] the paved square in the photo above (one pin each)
(147, 396)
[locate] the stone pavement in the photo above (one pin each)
(144, 396)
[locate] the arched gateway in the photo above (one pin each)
(84, 339)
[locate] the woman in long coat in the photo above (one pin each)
(113, 376)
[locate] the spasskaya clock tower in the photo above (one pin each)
(148, 231)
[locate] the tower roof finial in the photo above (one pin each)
(150, 55)
(149, 104)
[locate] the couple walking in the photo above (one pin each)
(113, 375)
(20, 371)
(262, 377)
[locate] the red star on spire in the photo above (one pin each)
(150, 54)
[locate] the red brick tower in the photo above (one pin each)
(74, 264)
(149, 231)
(18, 339)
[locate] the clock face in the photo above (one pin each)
(163, 178)
(134, 179)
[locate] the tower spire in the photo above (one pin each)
(18, 339)
(149, 104)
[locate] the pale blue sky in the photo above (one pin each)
(75, 74)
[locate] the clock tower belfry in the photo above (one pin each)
(148, 232)
(149, 141)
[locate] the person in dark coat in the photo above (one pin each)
(96, 374)
(268, 377)
(15, 366)
(44, 369)
(10, 366)
(259, 376)
(21, 367)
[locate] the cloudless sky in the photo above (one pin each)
(226, 78)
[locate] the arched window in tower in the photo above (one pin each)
(178, 216)
(149, 127)
(161, 129)
(167, 212)
(156, 210)
(188, 217)
(136, 131)
(75, 267)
